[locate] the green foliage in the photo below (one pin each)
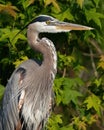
(54, 122)
(65, 60)
(70, 93)
(64, 15)
(81, 123)
(65, 90)
(79, 84)
(93, 102)
(19, 61)
(2, 89)
(92, 12)
(101, 62)
(8, 34)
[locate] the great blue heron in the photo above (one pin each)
(27, 98)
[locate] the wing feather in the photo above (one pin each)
(12, 95)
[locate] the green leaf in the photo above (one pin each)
(101, 62)
(96, 2)
(19, 61)
(53, 2)
(2, 89)
(72, 82)
(70, 95)
(93, 15)
(7, 33)
(98, 82)
(27, 3)
(69, 92)
(65, 90)
(5, 60)
(54, 121)
(58, 91)
(64, 60)
(64, 15)
(88, 34)
(69, 127)
(93, 102)
(80, 2)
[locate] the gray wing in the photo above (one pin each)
(27, 97)
(14, 88)
(1, 120)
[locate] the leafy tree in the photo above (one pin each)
(79, 84)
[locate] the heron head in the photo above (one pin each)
(45, 23)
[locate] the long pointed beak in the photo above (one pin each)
(69, 26)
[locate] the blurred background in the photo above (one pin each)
(79, 83)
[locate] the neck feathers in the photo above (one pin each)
(50, 56)
(44, 46)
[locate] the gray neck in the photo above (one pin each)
(44, 46)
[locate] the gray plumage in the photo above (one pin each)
(27, 98)
(36, 80)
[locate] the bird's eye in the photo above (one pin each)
(48, 22)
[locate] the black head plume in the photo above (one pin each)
(40, 18)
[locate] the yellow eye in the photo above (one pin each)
(47, 22)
